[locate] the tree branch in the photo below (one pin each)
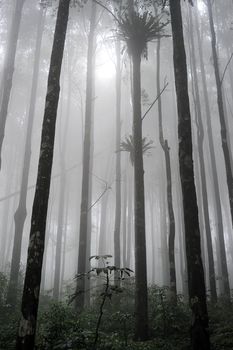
(152, 104)
(224, 72)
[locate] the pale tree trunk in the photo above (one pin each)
(196, 282)
(117, 253)
(63, 185)
(171, 216)
(21, 212)
(83, 239)
(129, 219)
(30, 299)
(65, 235)
(124, 223)
(152, 214)
(216, 189)
(224, 137)
(8, 69)
(200, 141)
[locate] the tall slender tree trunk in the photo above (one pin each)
(196, 282)
(129, 219)
(86, 163)
(216, 189)
(30, 299)
(141, 307)
(63, 183)
(222, 116)
(21, 212)
(117, 252)
(200, 141)
(8, 69)
(124, 223)
(166, 150)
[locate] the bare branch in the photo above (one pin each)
(224, 72)
(152, 104)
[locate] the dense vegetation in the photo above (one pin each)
(61, 327)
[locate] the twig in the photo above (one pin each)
(224, 72)
(102, 194)
(152, 104)
(107, 9)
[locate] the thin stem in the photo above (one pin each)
(152, 104)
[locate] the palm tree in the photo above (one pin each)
(30, 298)
(137, 30)
(196, 282)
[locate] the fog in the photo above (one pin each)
(106, 182)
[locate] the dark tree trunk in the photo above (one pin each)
(196, 282)
(86, 163)
(8, 70)
(21, 212)
(166, 150)
(225, 147)
(200, 141)
(117, 253)
(141, 307)
(30, 299)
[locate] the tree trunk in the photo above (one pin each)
(222, 119)
(117, 229)
(21, 212)
(63, 183)
(200, 141)
(30, 299)
(196, 282)
(166, 150)
(216, 190)
(141, 311)
(79, 302)
(8, 70)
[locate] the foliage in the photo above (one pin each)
(138, 29)
(128, 146)
(59, 328)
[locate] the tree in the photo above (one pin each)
(117, 227)
(200, 140)
(225, 144)
(30, 298)
(137, 30)
(83, 230)
(8, 70)
(216, 189)
(21, 212)
(166, 149)
(196, 282)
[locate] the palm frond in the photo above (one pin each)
(138, 29)
(128, 146)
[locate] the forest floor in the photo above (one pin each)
(61, 327)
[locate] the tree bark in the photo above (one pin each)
(141, 307)
(30, 299)
(196, 282)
